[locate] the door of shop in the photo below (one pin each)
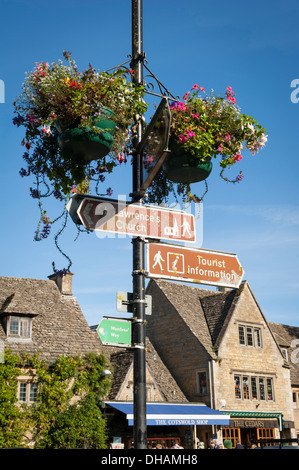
(247, 434)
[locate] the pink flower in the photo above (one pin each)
(232, 99)
(46, 130)
(238, 157)
(149, 159)
(182, 138)
(182, 106)
(220, 148)
(186, 95)
(196, 87)
(227, 137)
(196, 116)
(190, 134)
(229, 90)
(121, 158)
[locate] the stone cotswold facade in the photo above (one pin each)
(43, 316)
(221, 351)
(288, 339)
(203, 346)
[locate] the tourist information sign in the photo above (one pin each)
(109, 215)
(115, 332)
(196, 265)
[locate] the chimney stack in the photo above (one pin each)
(63, 281)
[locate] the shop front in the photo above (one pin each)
(252, 426)
(166, 422)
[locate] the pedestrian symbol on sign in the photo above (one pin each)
(158, 258)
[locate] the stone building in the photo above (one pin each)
(43, 316)
(288, 339)
(221, 351)
(205, 347)
(160, 387)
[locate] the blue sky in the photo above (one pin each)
(252, 47)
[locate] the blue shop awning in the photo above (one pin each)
(174, 414)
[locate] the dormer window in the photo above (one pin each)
(18, 327)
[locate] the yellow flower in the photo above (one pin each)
(66, 80)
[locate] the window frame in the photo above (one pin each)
(254, 387)
(250, 335)
(19, 327)
(28, 390)
(198, 375)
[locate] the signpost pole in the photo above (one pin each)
(138, 326)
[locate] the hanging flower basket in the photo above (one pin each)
(203, 128)
(77, 128)
(84, 144)
(71, 119)
(182, 167)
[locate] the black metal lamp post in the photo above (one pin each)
(138, 332)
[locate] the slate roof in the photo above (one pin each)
(58, 324)
(285, 335)
(59, 327)
(122, 360)
(204, 311)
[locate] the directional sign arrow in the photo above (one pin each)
(115, 331)
(193, 265)
(108, 215)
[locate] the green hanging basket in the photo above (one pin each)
(182, 167)
(85, 144)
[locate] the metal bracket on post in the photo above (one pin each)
(158, 130)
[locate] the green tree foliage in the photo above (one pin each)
(13, 419)
(67, 413)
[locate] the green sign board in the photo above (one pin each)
(115, 331)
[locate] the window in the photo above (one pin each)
(253, 388)
(27, 392)
(295, 399)
(269, 389)
(245, 387)
(285, 353)
(242, 335)
(238, 387)
(19, 327)
(262, 388)
(257, 338)
(232, 434)
(250, 336)
(202, 384)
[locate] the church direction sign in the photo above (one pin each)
(196, 265)
(118, 217)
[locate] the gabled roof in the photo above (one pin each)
(122, 361)
(204, 311)
(285, 336)
(217, 310)
(58, 324)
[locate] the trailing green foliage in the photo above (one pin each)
(13, 420)
(67, 413)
